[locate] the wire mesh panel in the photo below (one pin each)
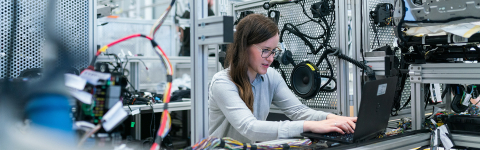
(72, 23)
(293, 13)
(384, 36)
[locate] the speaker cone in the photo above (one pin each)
(305, 80)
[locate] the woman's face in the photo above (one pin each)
(258, 64)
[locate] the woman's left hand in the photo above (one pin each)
(347, 121)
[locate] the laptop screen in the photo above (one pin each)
(375, 107)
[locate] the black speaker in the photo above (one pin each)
(305, 80)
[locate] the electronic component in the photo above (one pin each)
(459, 93)
(439, 48)
(382, 14)
(104, 10)
(321, 8)
(274, 15)
(222, 54)
(439, 12)
(463, 123)
(105, 95)
(272, 3)
(305, 80)
(243, 14)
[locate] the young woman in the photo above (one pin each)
(240, 96)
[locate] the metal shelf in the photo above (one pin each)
(173, 106)
(446, 73)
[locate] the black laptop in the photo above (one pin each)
(375, 108)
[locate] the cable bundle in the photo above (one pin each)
(160, 20)
(166, 119)
(229, 143)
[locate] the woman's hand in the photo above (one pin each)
(350, 120)
(333, 123)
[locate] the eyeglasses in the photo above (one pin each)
(266, 53)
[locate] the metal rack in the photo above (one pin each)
(330, 102)
(429, 73)
(447, 73)
(336, 102)
(363, 31)
(204, 31)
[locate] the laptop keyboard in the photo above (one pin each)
(338, 136)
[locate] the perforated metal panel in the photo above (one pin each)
(292, 13)
(386, 36)
(72, 24)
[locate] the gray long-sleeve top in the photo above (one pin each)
(230, 117)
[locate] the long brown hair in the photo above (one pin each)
(252, 29)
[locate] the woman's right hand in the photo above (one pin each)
(327, 126)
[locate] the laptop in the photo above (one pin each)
(375, 108)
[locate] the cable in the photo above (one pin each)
(86, 135)
(160, 20)
(366, 69)
(152, 121)
(229, 143)
(166, 119)
(325, 36)
(146, 68)
(330, 78)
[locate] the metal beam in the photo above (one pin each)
(407, 142)
(466, 140)
(214, 30)
(342, 67)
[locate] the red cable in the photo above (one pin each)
(120, 40)
(125, 38)
(161, 50)
(162, 126)
(154, 146)
(165, 118)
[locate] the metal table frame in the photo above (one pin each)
(137, 111)
(447, 73)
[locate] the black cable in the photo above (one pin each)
(445, 91)
(152, 120)
(135, 90)
(363, 60)
(328, 34)
(367, 69)
(11, 47)
(325, 36)
(117, 60)
(330, 78)
(302, 37)
(361, 44)
(402, 39)
(128, 105)
(303, 23)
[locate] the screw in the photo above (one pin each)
(418, 78)
(418, 68)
